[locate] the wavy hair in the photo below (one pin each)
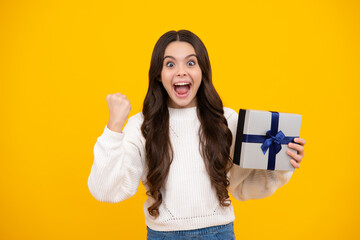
(214, 134)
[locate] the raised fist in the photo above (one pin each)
(119, 109)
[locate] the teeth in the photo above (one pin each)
(181, 84)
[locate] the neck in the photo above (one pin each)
(183, 113)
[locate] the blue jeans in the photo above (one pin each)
(222, 232)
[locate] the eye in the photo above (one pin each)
(191, 63)
(170, 64)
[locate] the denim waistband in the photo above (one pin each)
(207, 230)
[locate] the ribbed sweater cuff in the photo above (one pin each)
(112, 135)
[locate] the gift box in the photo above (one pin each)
(262, 139)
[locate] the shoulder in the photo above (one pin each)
(138, 117)
(132, 128)
(230, 113)
(134, 121)
(232, 118)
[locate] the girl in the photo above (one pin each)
(180, 147)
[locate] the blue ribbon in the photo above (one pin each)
(272, 140)
(276, 140)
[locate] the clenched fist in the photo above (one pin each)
(119, 109)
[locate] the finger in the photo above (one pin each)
(295, 156)
(296, 147)
(300, 141)
(120, 95)
(294, 163)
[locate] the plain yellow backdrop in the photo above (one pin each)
(59, 60)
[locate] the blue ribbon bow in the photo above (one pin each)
(275, 140)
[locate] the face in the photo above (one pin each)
(181, 74)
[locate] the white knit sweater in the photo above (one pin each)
(189, 200)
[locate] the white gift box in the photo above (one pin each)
(262, 139)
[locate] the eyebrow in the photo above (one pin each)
(190, 55)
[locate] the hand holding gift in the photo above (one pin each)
(296, 158)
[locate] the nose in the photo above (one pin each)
(181, 74)
(181, 71)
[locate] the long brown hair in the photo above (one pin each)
(214, 134)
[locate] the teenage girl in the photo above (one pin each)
(180, 146)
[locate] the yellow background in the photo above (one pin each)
(59, 60)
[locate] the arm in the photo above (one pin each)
(255, 183)
(252, 183)
(118, 164)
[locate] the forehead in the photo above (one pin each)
(179, 49)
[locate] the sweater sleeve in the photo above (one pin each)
(118, 163)
(248, 184)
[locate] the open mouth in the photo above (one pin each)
(182, 89)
